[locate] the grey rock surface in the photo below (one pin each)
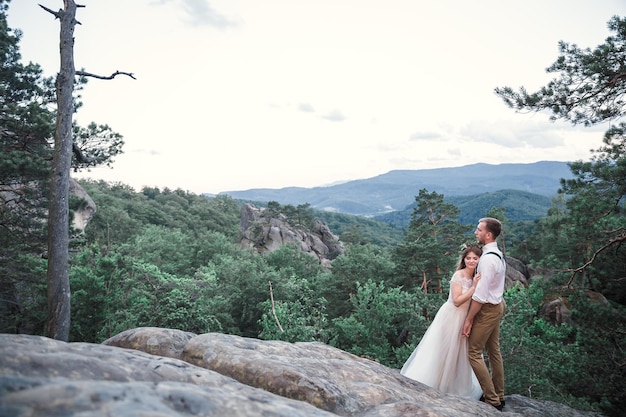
(219, 375)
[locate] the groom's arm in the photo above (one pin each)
(475, 307)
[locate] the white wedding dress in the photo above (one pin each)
(440, 359)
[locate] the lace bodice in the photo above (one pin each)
(466, 283)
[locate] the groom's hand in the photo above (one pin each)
(467, 328)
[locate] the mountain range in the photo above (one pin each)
(396, 190)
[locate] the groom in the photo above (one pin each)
(482, 325)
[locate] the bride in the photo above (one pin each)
(440, 359)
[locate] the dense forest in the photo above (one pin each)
(172, 259)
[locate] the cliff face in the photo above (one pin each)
(264, 233)
(165, 372)
(85, 212)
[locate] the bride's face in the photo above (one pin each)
(471, 260)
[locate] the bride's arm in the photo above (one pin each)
(458, 297)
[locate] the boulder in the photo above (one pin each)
(216, 374)
(516, 273)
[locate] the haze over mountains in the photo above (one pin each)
(396, 190)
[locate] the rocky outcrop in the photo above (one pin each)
(558, 310)
(264, 233)
(516, 273)
(219, 375)
(86, 209)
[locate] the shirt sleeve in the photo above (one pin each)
(488, 268)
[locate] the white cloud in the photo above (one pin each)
(334, 116)
(200, 13)
(426, 135)
(306, 107)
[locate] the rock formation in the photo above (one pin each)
(86, 210)
(515, 273)
(163, 372)
(266, 233)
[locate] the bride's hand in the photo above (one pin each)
(476, 278)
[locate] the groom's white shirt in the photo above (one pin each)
(492, 271)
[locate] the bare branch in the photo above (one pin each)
(621, 237)
(102, 77)
(57, 15)
(274, 309)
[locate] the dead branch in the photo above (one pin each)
(102, 77)
(57, 15)
(274, 309)
(621, 237)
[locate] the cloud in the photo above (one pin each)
(200, 13)
(426, 135)
(334, 116)
(306, 107)
(456, 152)
(511, 134)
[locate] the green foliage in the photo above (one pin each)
(376, 327)
(431, 243)
(580, 364)
(366, 331)
(588, 85)
(113, 293)
(584, 231)
(244, 281)
(22, 295)
(301, 216)
(26, 129)
(360, 263)
(92, 281)
(123, 213)
(536, 353)
(300, 318)
(361, 230)
(601, 338)
(95, 145)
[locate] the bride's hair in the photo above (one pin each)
(470, 249)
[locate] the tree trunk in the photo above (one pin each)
(58, 218)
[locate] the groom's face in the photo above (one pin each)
(481, 233)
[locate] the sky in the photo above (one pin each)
(239, 94)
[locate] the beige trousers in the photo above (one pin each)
(485, 335)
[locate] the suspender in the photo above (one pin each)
(493, 253)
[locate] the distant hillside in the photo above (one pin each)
(519, 206)
(396, 190)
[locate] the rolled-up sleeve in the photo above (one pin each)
(488, 268)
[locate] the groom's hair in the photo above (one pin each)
(493, 225)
